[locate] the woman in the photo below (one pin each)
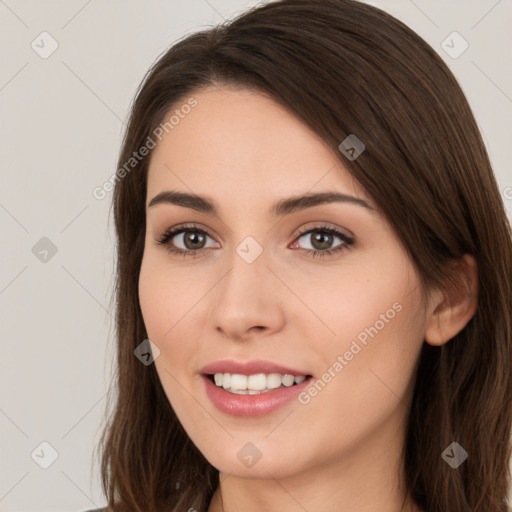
(314, 276)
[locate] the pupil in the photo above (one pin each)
(192, 235)
(318, 238)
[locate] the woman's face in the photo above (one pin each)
(354, 319)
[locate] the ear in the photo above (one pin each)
(450, 310)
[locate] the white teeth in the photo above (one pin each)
(288, 380)
(274, 380)
(239, 381)
(226, 381)
(255, 384)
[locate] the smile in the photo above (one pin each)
(255, 384)
(254, 402)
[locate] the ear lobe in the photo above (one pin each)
(453, 308)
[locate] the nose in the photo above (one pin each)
(247, 300)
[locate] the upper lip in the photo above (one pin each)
(249, 368)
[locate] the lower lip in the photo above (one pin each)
(252, 405)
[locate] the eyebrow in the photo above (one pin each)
(286, 206)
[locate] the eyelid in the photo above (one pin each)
(319, 225)
(314, 225)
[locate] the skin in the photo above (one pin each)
(341, 451)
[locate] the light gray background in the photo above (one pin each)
(61, 124)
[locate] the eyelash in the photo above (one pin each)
(171, 233)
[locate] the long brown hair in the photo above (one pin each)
(344, 68)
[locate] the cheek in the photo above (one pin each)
(364, 291)
(152, 298)
(375, 324)
(369, 366)
(163, 294)
(167, 304)
(163, 300)
(171, 309)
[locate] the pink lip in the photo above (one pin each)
(249, 368)
(251, 405)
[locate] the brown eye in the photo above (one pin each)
(193, 240)
(185, 240)
(322, 238)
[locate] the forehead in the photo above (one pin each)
(241, 143)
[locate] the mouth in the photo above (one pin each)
(255, 384)
(262, 394)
